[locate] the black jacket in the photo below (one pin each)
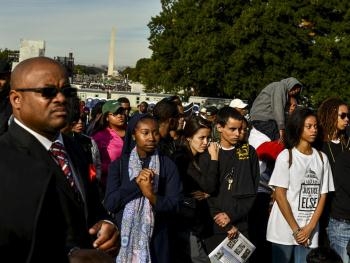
(41, 218)
(236, 200)
(194, 215)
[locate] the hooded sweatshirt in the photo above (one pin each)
(271, 102)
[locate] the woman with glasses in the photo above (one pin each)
(192, 222)
(334, 116)
(109, 133)
(301, 178)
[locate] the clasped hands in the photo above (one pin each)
(302, 236)
(145, 182)
(145, 179)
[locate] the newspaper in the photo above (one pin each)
(236, 250)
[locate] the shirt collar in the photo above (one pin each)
(43, 140)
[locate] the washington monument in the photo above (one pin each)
(111, 58)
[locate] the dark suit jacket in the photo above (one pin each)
(40, 217)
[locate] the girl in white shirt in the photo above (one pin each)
(302, 177)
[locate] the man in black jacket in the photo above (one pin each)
(49, 212)
(238, 180)
(5, 106)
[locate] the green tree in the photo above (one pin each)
(88, 70)
(235, 48)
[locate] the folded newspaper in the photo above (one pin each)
(236, 250)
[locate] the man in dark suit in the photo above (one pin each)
(44, 218)
(5, 106)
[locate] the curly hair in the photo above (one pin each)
(328, 118)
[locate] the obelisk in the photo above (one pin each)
(110, 71)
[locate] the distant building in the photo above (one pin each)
(68, 62)
(30, 49)
(13, 55)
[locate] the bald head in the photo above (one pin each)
(28, 67)
(45, 115)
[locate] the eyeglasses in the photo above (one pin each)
(343, 115)
(52, 91)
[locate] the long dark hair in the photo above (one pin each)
(295, 126)
(194, 124)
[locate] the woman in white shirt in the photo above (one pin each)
(301, 178)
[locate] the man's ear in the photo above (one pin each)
(219, 127)
(15, 99)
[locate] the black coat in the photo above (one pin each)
(121, 190)
(41, 219)
(194, 215)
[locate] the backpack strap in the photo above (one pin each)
(290, 157)
(321, 156)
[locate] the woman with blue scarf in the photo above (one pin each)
(143, 190)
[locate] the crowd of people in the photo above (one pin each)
(165, 185)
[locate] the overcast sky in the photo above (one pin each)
(80, 26)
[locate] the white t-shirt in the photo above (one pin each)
(306, 179)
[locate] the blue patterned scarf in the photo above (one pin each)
(138, 217)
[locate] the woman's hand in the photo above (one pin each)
(145, 175)
(303, 235)
(145, 182)
(213, 150)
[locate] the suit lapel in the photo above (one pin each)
(78, 162)
(37, 152)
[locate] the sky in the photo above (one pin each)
(81, 26)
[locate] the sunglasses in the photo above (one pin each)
(52, 91)
(343, 115)
(120, 111)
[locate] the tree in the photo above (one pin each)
(235, 48)
(88, 70)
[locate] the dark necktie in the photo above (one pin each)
(59, 153)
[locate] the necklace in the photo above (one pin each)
(342, 148)
(330, 150)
